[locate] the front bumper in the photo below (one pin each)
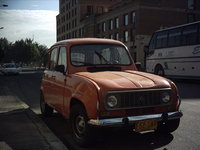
(133, 119)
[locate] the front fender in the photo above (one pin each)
(85, 90)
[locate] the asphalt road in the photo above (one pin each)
(26, 87)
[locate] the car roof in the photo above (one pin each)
(88, 40)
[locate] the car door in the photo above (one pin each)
(60, 79)
(49, 77)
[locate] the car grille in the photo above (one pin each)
(139, 98)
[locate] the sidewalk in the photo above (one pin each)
(22, 129)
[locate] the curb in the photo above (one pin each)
(53, 142)
(51, 139)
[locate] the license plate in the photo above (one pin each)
(146, 125)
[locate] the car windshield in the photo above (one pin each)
(99, 54)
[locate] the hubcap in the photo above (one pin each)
(80, 124)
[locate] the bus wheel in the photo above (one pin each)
(159, 70)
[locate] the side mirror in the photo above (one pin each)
(60, 68)
(139, 66)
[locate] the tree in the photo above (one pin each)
(22, 51)
(43, 53)
(4, 46)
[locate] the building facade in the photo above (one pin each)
(130, 21)
(74, 17)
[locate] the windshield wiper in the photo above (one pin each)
(102, 57)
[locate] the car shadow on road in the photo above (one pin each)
(188, 89)
(108, 139)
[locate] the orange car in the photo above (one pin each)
(94, 82)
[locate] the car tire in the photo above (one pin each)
(159, 71)
(46, 110)
(168, 126)
(81, 131)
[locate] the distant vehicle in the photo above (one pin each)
(175, 52)
(10, 68)
(95, 83)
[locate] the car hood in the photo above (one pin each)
(116, 80)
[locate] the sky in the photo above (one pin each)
(35, 19)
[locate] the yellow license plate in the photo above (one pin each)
(146, 125)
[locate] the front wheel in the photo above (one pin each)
(46, 110)
(168, 126)
(82, 132)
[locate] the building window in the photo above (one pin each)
(104, 27)
(89, 10)
(72, 24)
(75, 22)
(99, 9)
(72, 13)
(110, 24)
(132, 35)
(133, 17)
(67, 28)
(191, 4)
(98, 28)
(117, 23)
(75, 11)
(125, 36)
(126, 19)
(81, 32)
(191, 18)
(67, 16)
(116, 36)
(111, 36)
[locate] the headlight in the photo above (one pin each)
(165, 97)
(112, 101)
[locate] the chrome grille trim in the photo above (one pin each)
(138, 98)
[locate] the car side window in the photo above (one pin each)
(53, 58)
(62, 59)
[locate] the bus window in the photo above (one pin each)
(189, 36)
(161, 41)
(152, 42)
(174, 37)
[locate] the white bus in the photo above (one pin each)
(175, 52)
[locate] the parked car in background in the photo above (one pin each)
(95, 83)
(10, 68)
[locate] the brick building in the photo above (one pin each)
(130, 21)
(74, 16)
